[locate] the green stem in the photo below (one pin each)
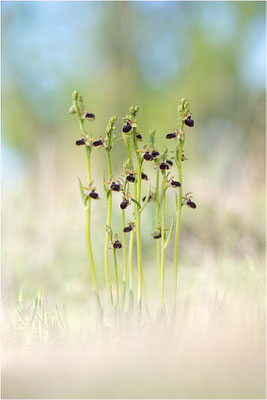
(131, 246)
(145, 297)
(178, 223)
(88, 228)
(138, 233)
(124, 278)
(81, 120)
(116, 277)
(157, 222)
(131, 242)
(107, 236)
(88, 209)
(129, 153)
(162, 267)
(124, 248)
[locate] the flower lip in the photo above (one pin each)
(147, 156)
(89, 115)
(144, 176)
(164, 166)
(127, 128)
(191, 204)
(175, 183)
(154, 153)
(117, 244)
(97, 143)
(115, 187)
(93, 195)
(156, 235)
(128, 228)
(80, 142)
(124, 204)
(189, 122)
(130, 178)
(172, 135)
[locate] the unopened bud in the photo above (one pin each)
(75, 95)
(72, 110)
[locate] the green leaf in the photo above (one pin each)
(84, 198)
(164, 152)
(109, 231)
(187, 194)
(88, 148)
(169, 236)
(136, 202)
(152, 137)
(104, 185)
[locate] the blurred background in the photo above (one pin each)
(118, 54)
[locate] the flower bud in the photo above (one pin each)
(72, 110)
(75, 95)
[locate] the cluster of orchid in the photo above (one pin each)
(129, 184)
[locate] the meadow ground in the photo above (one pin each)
(214, 349)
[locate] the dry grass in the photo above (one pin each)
(215, 349)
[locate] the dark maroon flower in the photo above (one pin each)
(147, 156)
(175, 183)
(189, 122)
(191, 204)
(117, 244)
(164, 166)
(155, 153)
(156, 235)
(89, 115)
(124, 204)
(80, 142)
(97, 143)
(128, 228)
(127, 128)
(115, 187)
(171, 135)
(93, 195)
(144, 176)
(130, 178)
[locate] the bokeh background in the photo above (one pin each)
(119, 54)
